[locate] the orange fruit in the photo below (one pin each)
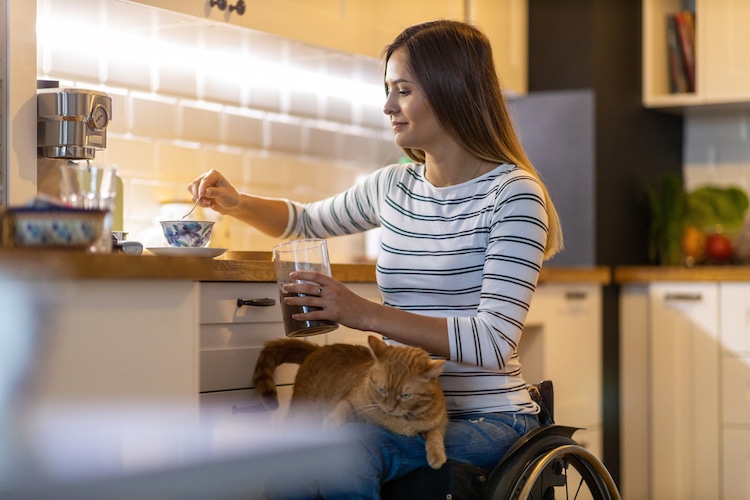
(694, 244)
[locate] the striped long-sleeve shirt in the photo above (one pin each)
(470, 253)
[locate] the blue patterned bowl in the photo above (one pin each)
(187, 233)
(68, 227)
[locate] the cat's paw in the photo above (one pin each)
(436, 457)
(333, 422)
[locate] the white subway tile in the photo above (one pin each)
(133, 74)
(144, 197)
(355, 148)
(134, 157)
(285, 136)
(153, 116)
(263, 95)
(242, 130)
(219, 89)
(200, 123)
(323, 143)
(230, 163)
(304, 103)
(178, 79)
(63, 63)
(307, 57)
(341, 66)
(338, 109)
(269, 172)
(177, 162)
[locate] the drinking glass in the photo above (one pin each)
(83, 185)
(301, 255)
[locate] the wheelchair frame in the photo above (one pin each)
(532, 467)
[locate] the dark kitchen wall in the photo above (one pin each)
(596, 45)
(556, 129)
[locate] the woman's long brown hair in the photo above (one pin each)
(452, 61)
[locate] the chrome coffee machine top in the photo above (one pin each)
(72, 123)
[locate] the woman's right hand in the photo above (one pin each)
(214, 191)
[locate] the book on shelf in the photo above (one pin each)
(681, 51)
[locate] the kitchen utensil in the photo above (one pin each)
(191, 210)
(301, 255)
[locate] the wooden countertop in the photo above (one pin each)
(59, 265)
(625, 275)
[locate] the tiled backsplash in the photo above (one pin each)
(717, 148)
(266, 112)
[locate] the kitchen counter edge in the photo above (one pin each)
(630, 275)
(62, 265)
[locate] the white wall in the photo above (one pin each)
(268, 112)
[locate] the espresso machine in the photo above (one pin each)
(72, 123)
(71, 127)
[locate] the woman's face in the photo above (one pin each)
(413, 121)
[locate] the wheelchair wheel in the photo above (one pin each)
(557, 467)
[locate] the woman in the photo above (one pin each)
(465, 229)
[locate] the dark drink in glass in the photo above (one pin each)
(295, 328)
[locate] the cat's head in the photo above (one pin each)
(403, 380)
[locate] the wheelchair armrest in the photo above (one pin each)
(543, 394)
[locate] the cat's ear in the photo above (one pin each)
(376, 345)
(434, 368)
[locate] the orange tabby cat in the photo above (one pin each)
(394, 387)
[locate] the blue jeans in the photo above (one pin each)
(480, 439)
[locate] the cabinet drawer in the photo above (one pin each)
(217, 407)
(735, 479)
(735, 317)
(219, 303)
(736, 390)
(227, 369)
(228, 335)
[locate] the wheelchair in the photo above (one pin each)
(546, 463)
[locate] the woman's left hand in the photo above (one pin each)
(336, 302)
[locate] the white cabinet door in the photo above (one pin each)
(724, 49)
(736, 464)
(562, 343)
(684, 366)
(735, 318)
(107, 342)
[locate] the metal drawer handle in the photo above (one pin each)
(575, 295)
(256, 302)
(683, 296)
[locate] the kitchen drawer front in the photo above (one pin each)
(736, 390)
(217, 407)
(736, 463)
(735, 318)
(219, 303)
(238, 335)
(228, 369)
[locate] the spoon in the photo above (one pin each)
(191, 210)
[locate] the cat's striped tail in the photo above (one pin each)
(275, 353)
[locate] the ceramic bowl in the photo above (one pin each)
(187, 233)
(68, 227)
